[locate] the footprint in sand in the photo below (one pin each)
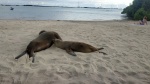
(120, 74)
(102, 69)
(144, 66)
(133, 74)
(20, 76)
(63, 75)
(6, 79)
(5, 69)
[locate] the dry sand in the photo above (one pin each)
(127, 46)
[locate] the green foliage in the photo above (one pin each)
(137, 4)
(138, 9)
(129, 11)
(148, 15)
(139, 14)
(146, 5)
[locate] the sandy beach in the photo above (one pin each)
(127, 46)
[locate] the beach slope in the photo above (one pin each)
(127, 46)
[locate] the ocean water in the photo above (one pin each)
(59, 13)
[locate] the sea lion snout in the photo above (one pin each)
(42, 32)
(55, 41)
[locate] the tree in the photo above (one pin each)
(129, 11)
(146, 5)
(138, 9)
(139, 14)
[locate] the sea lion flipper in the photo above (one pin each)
(20, 55)
(33, 56)
(103, 53)
(100, 48)
(69, 51)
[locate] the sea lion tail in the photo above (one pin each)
(101, 51)
(23, 53)
(100, 48)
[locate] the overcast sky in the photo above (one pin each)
(89, 3)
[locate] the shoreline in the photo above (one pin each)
(67, 20)
(61, 6)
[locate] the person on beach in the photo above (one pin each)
(144, 21)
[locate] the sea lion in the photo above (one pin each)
(42, 42)
(71, 46)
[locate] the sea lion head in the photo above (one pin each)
(56, 41)
(42, 32)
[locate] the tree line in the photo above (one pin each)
(138, 9)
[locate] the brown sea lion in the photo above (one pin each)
(42, 42)
(71, 46)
